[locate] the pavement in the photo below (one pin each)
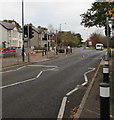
(89, 108)
(12, 62)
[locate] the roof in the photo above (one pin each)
(35, 29)
(7, 25)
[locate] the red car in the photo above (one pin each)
(9, 50)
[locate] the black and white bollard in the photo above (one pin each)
(106, 62)
(106, 73)
(104, 101)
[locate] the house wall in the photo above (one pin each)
(12, 37)
(3, 34)
(42, 42)
(35, 40)
(16, 38)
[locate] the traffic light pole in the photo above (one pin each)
(23, 58)
(28, 45)
(107, 27)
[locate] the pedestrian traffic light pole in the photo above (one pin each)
(23, 30)
(28, 43)
(107, 30)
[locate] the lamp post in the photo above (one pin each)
(61, 30)
(61, 26)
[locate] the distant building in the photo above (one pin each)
(90, 43)
(10, 34)
(104, 0)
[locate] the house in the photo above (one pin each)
(42, 38)
(39, 39)
(10, 35)
(92, 43)
(89, 43)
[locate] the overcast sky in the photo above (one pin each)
(45, 12)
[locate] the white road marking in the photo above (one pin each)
(85, 76)
(69, 93)
(62, 109)
(8, 71)
(39, 74)
(13, 70)
(17, 83)
(63, 104)
(29, 65)
(42, 66)
(20, 67)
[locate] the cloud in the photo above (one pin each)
(45, 12)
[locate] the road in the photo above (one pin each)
(37, 90)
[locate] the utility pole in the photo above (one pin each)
(23, 58)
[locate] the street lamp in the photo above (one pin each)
(61, 25)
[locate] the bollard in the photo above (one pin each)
(106, 62)
(56, 51)
(106, 74)
(104, 101)
(43, 53)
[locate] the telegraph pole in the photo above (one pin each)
(23, 58)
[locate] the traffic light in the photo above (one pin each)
(25, 31)
(31, 33)
(109, 31)
(45, 37)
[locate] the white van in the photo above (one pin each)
(99, 46)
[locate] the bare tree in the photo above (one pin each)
(51, 28)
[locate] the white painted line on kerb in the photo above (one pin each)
(62, 109)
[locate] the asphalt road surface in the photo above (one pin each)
(37, 90)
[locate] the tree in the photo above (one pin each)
(68, 38)
(51, 28)
(96, 16)
(42, 28)
(98, 38)
(79, 37)
(4, 44)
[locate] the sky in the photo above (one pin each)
(46, 12)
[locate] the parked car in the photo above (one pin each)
(99, 46)
(10, 51)
(61, 50)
